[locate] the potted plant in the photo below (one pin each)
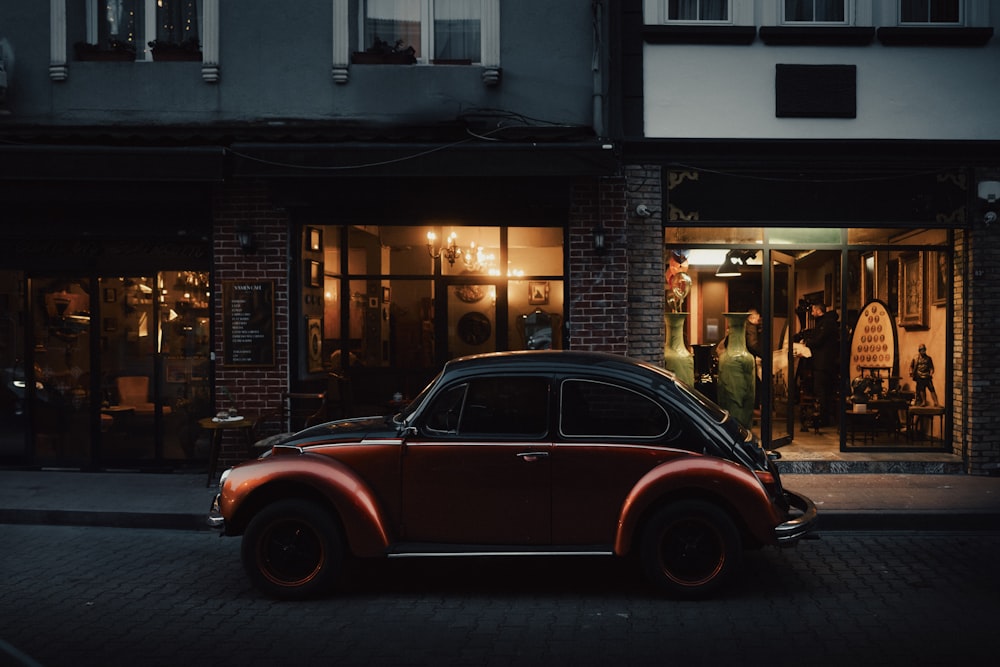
(189, 49)
(383, 53)
(117, 50)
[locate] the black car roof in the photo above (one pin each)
(547, 360)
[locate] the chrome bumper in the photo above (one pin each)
(803, 521)
(215, 519)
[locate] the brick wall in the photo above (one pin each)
(980, 384)
(597, 314)
(646, 332)
(254, 390)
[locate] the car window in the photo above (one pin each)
(444, 413)
(502, 406)
(591, 408)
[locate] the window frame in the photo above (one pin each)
(961, 21)
(671, 427)
(657, 12)
(144, 25)
(848, 6)
(427, 37)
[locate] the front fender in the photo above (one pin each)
(731, 485)
(252, 485)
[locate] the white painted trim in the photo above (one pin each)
(209, 24)
(341, 41)
(58, 69)
(489, 33)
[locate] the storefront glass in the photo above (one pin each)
(111, 370)
(13, 392)
(889, 294)
(402, 300)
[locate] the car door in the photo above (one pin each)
(609, 436)
(478, 470)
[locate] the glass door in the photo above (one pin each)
(782, 386)
(129, 408)
(13, 391)
(59, 385)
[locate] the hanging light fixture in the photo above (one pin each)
(451, 252)
(730, 267)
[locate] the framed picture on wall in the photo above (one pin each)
(912, 291)
(314, 273)
(538, 293)
(939, 278)
(314, 238)
(314, 344)
(893, 285)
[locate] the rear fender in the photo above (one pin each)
(731, 486)
(252, 485)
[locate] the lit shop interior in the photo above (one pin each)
(890, 293)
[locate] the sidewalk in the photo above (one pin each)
(181, 500)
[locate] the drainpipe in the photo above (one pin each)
(598, 66)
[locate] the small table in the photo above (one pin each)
(115, 414)
(915, 416)
(217, 427)
(863, 422)
(888, 412)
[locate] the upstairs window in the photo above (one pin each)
(129, 25)
(437, 30)
(815, 11)
(697, 10)
(929, 11)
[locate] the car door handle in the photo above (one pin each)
(531, 457)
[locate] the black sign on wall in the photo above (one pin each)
(248, 311)
(774, 198)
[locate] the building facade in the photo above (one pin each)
(839, 152)
(306, 210)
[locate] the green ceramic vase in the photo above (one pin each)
(676, 357)
(736, 372)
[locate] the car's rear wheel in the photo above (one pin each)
(293, 549)
(690, 548)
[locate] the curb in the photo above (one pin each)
(156, 520)
(918, 520)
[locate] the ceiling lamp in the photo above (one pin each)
(730, 267)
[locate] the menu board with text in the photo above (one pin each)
(248, 314)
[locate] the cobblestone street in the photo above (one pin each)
(107, 596)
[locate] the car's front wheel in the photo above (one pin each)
(690, 548)
(293, 549)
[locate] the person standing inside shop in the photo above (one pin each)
(922, 372)
(823, 341)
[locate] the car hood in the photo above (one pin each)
(357, 428)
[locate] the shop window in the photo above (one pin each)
(406, 297)
(434, 31)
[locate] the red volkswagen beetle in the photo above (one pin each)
(519, 453)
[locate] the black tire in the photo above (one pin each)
(293, 549)
(690, 548)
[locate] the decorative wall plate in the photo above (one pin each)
(470, 293)
(474, 328)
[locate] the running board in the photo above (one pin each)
(419, 550)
